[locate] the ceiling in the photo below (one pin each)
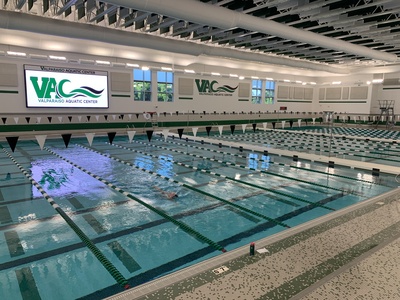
(332, 35)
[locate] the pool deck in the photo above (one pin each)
(348, 254)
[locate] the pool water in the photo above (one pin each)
(116, 194)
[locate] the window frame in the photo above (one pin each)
(142, 85)
(168, 84)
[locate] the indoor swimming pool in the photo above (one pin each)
(87, 220)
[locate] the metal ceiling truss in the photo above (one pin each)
(371, 23)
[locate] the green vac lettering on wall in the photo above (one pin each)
(49, 88)
(211, 88)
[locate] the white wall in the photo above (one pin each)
(388, 90)
(12, 93)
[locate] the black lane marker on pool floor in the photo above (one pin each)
(96, 225)
(127, 260)
(184, 184)
(85, 239)
(75, 203)
(13, 243)
(181, 225)
(223, 176)
(27, 284)
(5, 216)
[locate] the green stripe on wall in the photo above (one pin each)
(121, 96)
(8, 92)
(342, 101)
(396, 88)
(243, 99)
(185, 98)
(302, 101)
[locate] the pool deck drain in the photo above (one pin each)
(310, 260)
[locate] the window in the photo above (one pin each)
(142, 85)
(165, 86)
(256, 89)
(269, 92)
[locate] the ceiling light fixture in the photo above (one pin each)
(57, 57)
(16, 53)
(132, 65)
(103, 62)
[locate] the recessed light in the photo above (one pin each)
(57, 57)
(16, 53)
(103, 62)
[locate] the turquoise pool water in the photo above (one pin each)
(116, 195)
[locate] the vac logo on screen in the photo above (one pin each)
(205, 87)
(49, 90)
